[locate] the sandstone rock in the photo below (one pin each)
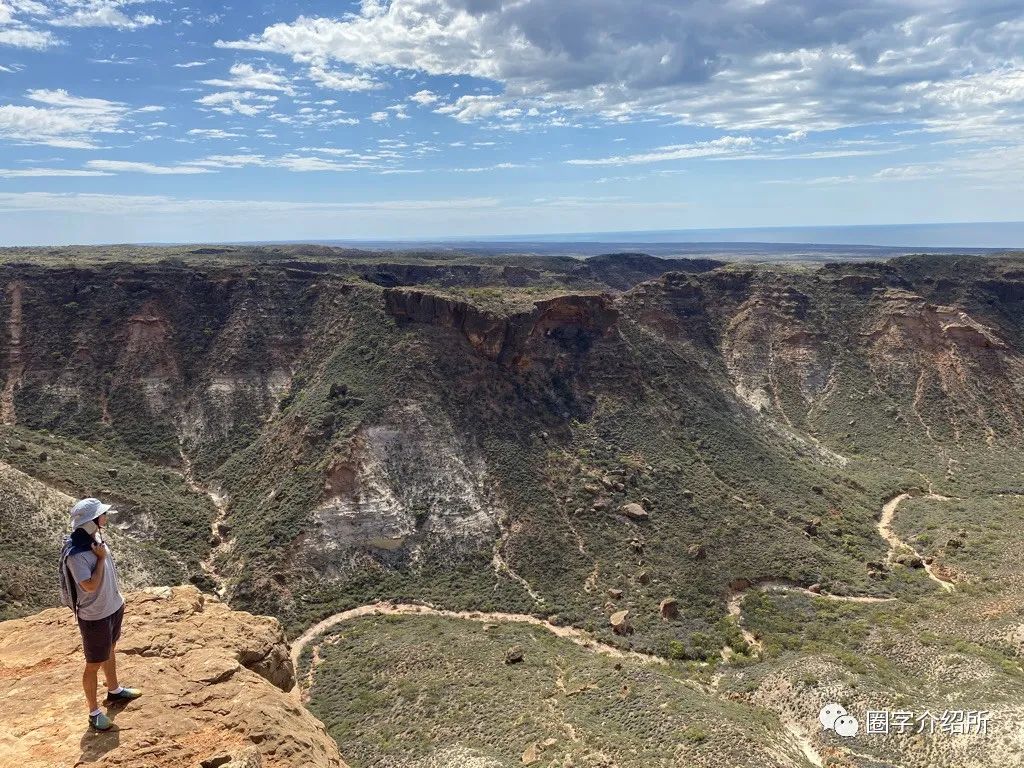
(615, 594)
(633, 511)
(215, 685)
(815, 588)
(696, 551)
(514, 655)
(669, 608)
(643, 577)
(620, 622)
(531, 755)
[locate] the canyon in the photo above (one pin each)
(817, 466)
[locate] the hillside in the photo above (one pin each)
(308, 431)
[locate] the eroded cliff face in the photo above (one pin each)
(199, 358)
(216, 688)
(938, 355)
(552, 328)
(402, 486)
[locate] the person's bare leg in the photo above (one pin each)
(89, 680)
(110, 670)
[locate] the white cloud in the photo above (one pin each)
(342, 81)
(23, 37)
(229, 161)
(64, 120)
(245, 77)
(21, 173)
(466, 109)
(424, 98)
(127, 166)
(379, 117)
(190, 64)
(127, 205)
(800, 65)
(19, 32)
(482, 169)
(102, 13)
(247, 103)
(727, 145)
(214, 133)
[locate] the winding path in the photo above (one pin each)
(896, 543)
(220, 503)
(734, 603)
(572, 634)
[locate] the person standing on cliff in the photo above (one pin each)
(94, 594)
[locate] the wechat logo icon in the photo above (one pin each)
(835, 717)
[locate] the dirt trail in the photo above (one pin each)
(573, 635)
(734, 604)
(15, 364)
(896, 543)
(501, 566)
(209, 565)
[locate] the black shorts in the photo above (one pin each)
(100, 636)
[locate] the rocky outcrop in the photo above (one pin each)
(214, 683)
(570, 322)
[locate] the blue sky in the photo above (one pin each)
(126, 120)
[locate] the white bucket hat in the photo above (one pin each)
(87, 510)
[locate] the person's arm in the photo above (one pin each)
(96, 579)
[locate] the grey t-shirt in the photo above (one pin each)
(105, 600)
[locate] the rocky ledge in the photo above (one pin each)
(216, 688)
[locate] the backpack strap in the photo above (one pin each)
(66, 577)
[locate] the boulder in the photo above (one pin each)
(696, 551)
(514, 655)
(620, 622)
(669, 608)
(643, 577)
(633, 511)
(615, 594)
